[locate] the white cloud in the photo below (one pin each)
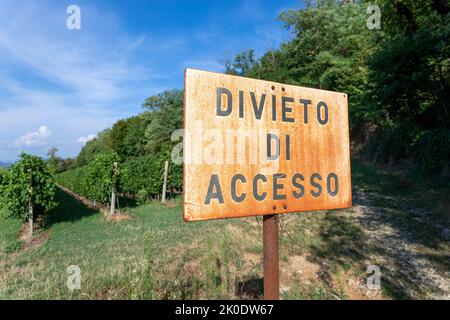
(34, 139)
(81, 81)
(84, 140)
(76, 82)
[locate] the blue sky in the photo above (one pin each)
(59, 87)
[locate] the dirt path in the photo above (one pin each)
(406, 263)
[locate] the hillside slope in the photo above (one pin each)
(393, 224)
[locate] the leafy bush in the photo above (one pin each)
(142, 196)
(428, 149)
(397, 79)
(27, 178)
(94, 181)
(101, 176)
(431, 149)
(140, 178)
(144, 176)
(3, 182)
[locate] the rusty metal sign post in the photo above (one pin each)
(271, 257)
(254, 147)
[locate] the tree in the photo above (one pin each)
(66, 164)
(167, 115)
(127, 137)
(410, 81)
(94, 147)
(242, 64)
(28, 189)
(397, 78)
(53, 160)
(329, 50)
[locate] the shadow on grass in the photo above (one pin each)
(68, 209)
(252, 288)
(127, 202)
(343, 241)
(411, 204)
(405, 239)
(344, 245)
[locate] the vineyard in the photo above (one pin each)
(109, 165)
(156, 255)
(140, 179)
(29, 180)
(27, 190)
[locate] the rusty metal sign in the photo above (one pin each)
(254, 147)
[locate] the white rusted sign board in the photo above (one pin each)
(254, 147)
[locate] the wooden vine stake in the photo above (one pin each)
(113, 194)
(166, 171)
(30, 208)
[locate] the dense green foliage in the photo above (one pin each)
(94, 181)
(397, 78)
(142, 143)
(93, 148)
(143, 177)
(328, 49)
(74, 180)
(410, 83)
(127, 137)
(167, 112)
(3, 184)
(145, 134)
(3, 176)
(29, 178)
(140, 178)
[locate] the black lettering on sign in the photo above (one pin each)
(225, 108)
(277, 186)
(258, 110)
(234, 195)
(274, 137)
(285, 109)
(334, 192)
(214, 184)
(305, 103)
(241, 104)
(317, 193)
(256, 195)
(227, 92)
(274, 108)
(322, 105)
(297, 184)
(288, 147)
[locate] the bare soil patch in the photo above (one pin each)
(118, 217)
(37, 240)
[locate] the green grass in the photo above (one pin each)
(413, 203)
(414, 190)
(156, 255)
(8, 235)
(117, 258)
